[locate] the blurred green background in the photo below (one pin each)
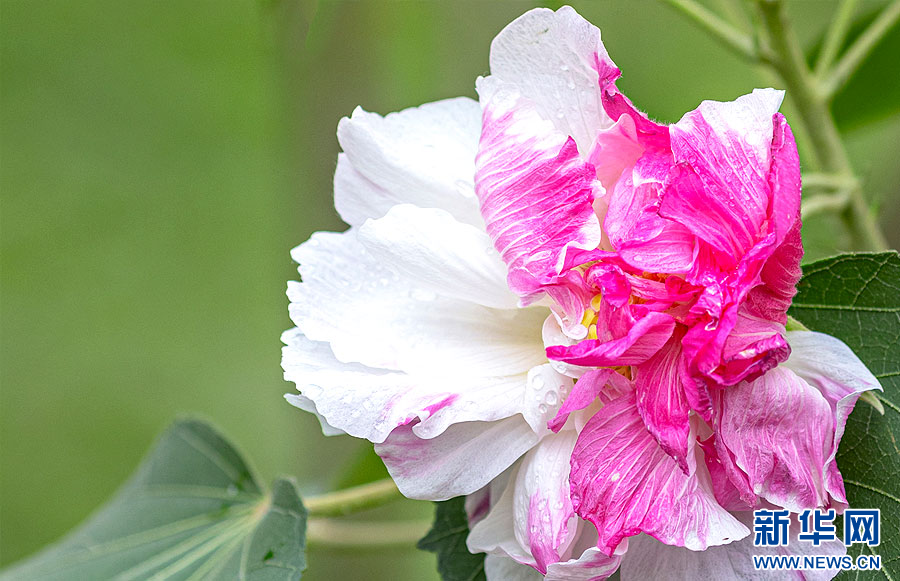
(160, 158)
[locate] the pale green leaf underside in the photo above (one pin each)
(192, 511)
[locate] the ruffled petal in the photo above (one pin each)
(779, 276)
(422, 156)
(369, 314)
(624, 483)
(779, 430)
(429, 248)
(720, 188)
(830, 366)
(647, 335)
(550, 58)
(592, 565)
(662, 402)
(544, 518)
(536, 195)
(369, 403)
(460, 461)
(647, 558)
(533, 522)
(586, 390)
(496, 533)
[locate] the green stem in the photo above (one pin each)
(824, 203)
(824, 181)
(812, 105)
(723, 31)
(332, 533)
(835, 36)
(343, 502)
(834, 80)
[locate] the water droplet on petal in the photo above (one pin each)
(537, 382)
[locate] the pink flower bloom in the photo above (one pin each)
(575, 316)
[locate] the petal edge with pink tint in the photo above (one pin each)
(624, 483)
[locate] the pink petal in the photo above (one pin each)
(586, 390)
(463, 459)
(779, 276)
(647, 558)
(624, 483)
(723, 151)
(643, 339)
(836, 372)
(661, 400)
(536, 194)
(779, 431)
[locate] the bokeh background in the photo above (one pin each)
(160, 158)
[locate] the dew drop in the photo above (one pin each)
(537, 383)
(564, 68)
(571, 84)
(542, 408)
(551, 398)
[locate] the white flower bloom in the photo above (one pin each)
(407, 334)
(555, 219)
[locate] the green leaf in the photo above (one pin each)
(447, 538)
(856, 298)
(193, 510)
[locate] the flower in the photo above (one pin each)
(575, 316)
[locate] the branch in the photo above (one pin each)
(824, 203)
(333, 533)
(857, 53)
(788, 60)
(835, 36)
(353, 499)
(827, 181)
(727, 34)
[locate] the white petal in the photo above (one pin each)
(547, 389)
(545, 521)
(308, 405)
(550, 58)
(495, 534)
(371, 315)
(441, 255)
(464, 458)
(829, 364)
(592, 565)
(499, 568)
(369, 403)
(423, 156)
(533, 522)
(647, 558)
